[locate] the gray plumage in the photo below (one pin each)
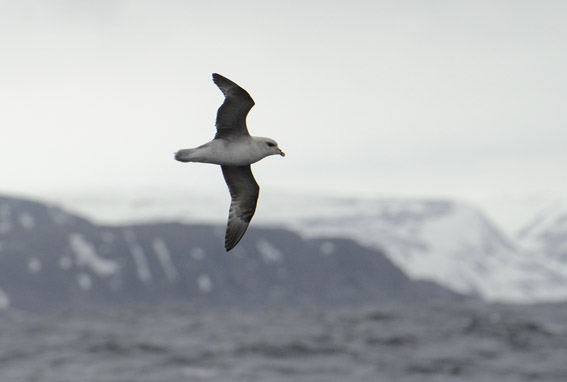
(231, 116)
(244, 193)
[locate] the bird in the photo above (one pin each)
(234, 149)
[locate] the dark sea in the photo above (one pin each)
(423, 342)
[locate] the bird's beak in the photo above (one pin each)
(282, 153)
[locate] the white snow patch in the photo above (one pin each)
(34, 265)
(65, 262)
(86, 256)
(142, 267)
(198, 253)
(205, 283)
(4, 300)
(84, 281)
(141, 263)
(164, 257)
(26, 220)
(327, 248)
(269, 253)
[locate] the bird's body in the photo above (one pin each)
(234, 150)
(240, 151)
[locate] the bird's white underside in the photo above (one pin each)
(241, 152)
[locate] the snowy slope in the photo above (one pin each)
(547, 233)
(448, 242)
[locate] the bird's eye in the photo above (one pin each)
(270, 144)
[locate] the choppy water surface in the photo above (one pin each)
(435, 342)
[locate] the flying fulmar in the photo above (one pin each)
(234, 150)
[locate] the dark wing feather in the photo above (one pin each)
(244, 192)
(231, 116)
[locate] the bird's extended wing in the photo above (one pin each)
(231, 116)
(244, 192)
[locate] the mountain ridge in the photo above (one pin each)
(448, 241)
(52, 259)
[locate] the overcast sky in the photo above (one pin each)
(446, 98)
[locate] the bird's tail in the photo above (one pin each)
(184, 155)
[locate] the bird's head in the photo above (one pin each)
(270, 147)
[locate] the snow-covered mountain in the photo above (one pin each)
(450, 242)
(53, 259)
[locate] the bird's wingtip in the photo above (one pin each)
(229, 246)
(219, 80)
